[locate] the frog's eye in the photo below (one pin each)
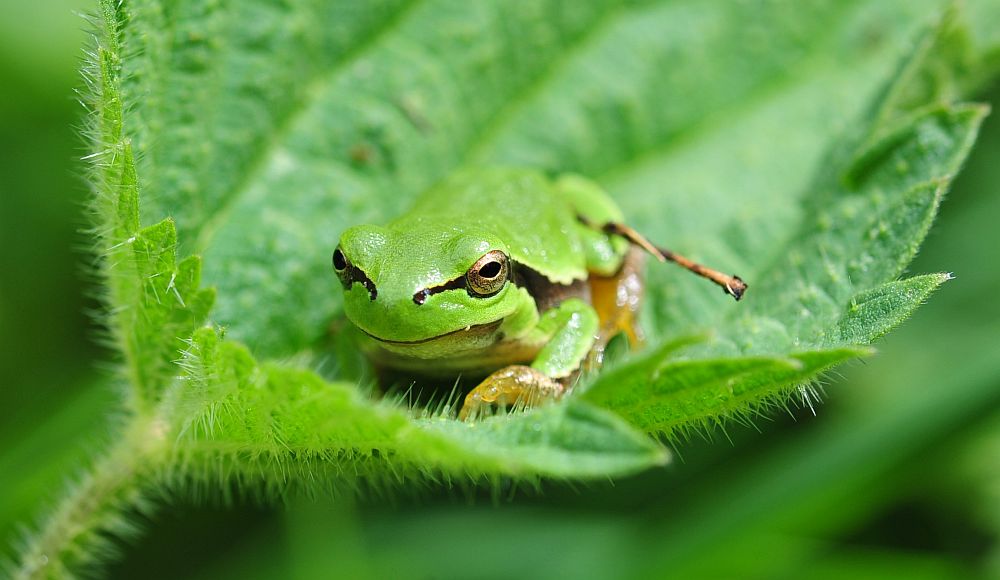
(488, 275)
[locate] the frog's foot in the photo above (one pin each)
(511, 385)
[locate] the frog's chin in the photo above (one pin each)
(466, 338)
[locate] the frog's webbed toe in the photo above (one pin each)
(516, 385)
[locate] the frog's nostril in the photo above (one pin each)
(421, 296)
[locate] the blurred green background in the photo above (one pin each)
(897, 475)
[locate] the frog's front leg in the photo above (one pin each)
(569, 332)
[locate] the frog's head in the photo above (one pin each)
(424, 289)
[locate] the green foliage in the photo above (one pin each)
(154, 301)
(801, 299)
(788, 144)
(284, 427)
(825, 290)
(79, 535)
(660, 395)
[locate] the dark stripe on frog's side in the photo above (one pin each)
(548, 294)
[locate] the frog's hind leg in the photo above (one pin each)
(606, 237)
(614, 261)
(731, 284)
(617, 300)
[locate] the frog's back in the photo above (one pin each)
(518, 206)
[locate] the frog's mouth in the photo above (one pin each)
(473, 331)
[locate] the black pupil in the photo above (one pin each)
(490, 270)
(339, 262)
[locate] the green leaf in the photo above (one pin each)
(789, 145)
(875, 312)
(572, 440)
(829, 287)
(863, 237)
(670, 395)
(743, 136)
(265, 418)
(268, 422)
(323, 118)
(155, 301)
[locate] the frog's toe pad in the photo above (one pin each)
(516, 385)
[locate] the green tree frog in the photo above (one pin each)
(502, 273)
